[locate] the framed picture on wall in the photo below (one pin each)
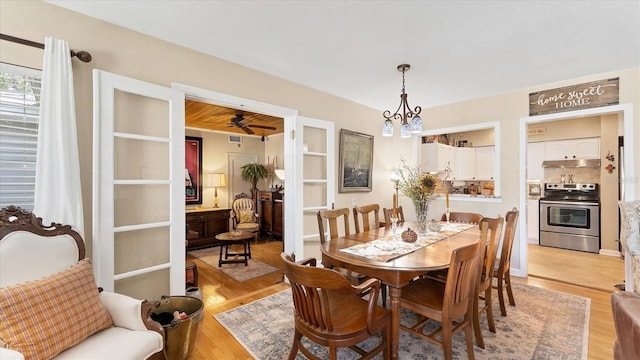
(193, 170)
(356, 161)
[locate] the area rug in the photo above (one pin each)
(238, 272)
(545, 324)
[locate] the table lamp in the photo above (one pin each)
(215, 181)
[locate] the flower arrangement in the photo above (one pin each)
(417, 185)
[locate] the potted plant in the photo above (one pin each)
(252, 173)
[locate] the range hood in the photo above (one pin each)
(581, 163)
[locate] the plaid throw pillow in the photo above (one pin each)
(44, 317)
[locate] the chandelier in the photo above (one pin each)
(410, 122)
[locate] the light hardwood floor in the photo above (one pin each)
(220, 293)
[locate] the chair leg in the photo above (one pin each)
(476, 323)
(447, 340)
(294, 348)
(384, 295)
(487, 302)
(507, 278)
(469, 337)
(503, 308)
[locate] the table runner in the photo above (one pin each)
(388, 249)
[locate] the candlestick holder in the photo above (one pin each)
(394, 226)
(447, 213)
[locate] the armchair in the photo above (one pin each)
(244, 215)
(61, 313)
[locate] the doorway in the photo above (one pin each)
(623, 113)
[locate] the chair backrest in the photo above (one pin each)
(461, 281)
(30, 250)
(494, 227)
(332, 216)
(365, 211)
(388, 213)
(462, 217)
(242, 203)
(311, 288)
(507, 242)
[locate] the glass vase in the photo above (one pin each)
(422, 210)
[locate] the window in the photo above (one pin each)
(19, 117)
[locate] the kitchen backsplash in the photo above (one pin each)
(580, 175)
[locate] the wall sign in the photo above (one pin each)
(582, 96)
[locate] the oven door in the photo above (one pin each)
(578, 218)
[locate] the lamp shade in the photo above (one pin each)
(216, 180)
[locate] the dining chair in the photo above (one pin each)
(365, 212)
(462, 217)
(503, 271)
(449, 303)
(485, 280)
(388, 214)
(333, 216)
(327, 312)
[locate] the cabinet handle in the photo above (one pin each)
(565, 156)
(574, 156)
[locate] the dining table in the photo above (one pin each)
(397, 271)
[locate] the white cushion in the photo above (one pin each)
(125, 311)
(115, 343)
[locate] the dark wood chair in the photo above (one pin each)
(329, 310)
(365, 212)
(462, 217)
(388, 214)
(332, 217)
(450, 302)
(503, 271)
(484, 289)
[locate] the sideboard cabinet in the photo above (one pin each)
(271, 213)
(204, 225)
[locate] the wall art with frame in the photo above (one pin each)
(356, 161)
(193, 170)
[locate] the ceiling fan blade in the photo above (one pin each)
(246, 129)
(262, 127)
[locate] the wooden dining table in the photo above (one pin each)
(399, 271)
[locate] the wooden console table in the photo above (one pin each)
(204, 225)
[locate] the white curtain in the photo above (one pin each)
(58, 196)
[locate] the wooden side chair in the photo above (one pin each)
(333, 216)
(503, 271)
(329, 310)
(484, 288)
(450, 302)
(388, 213)
(462, 217)
(365, 212)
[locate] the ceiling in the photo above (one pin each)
(458, 50)
(212, 117)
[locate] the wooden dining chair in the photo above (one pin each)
(388, 214)
(462, 217)
(327, 312)
(332, 217)
(484, 287)
(365, 212)
(503, 272)
(450, 302)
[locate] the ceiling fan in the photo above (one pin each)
(237, 122)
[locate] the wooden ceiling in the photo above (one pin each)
(213, 117)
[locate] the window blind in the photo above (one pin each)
(19, 117)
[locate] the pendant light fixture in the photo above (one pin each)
(410, 122)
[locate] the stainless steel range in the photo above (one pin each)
(570, 216)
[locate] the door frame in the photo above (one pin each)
(290, 158)
(625, 113)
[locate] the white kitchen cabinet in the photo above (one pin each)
(533, 221)
(437, 157)
(465, 164)
(535, 157)
(572, 149)
(484, 162)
